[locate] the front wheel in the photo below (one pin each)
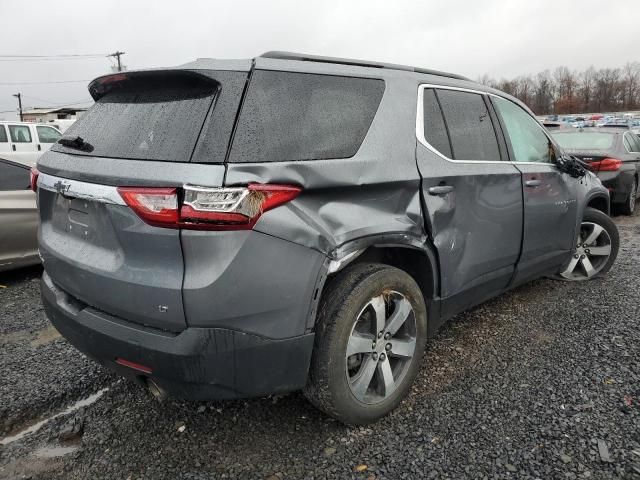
(597, 247)
(370, 336)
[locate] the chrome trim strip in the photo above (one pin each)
(77, 189)
(420, 127)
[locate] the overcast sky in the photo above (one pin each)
(503, 38)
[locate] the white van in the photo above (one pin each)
(24, 142)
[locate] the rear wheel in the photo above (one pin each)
(629, 205)
(597, 247)
(370, 336)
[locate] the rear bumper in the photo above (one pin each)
(196, 364)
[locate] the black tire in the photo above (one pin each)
(629, 205)
(597, 217)
(343, 301)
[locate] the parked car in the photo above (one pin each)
(237, 228)
(18, 217)
(24, 142)
(614, 155)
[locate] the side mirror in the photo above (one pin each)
(571, 166)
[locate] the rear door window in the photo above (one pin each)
(300, 116)
(471, 131)
(20, 133)
(47, 134)
(631, 143)
(154, 116)
(435, 131)
(3, 135)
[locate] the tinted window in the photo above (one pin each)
(584, 140)
(470, 128)
(297, 116)
(147, 117)
(435, 131)
(631, 143)
(20, 133)
(47, 134)
(3, 135)
(635, 142)
(528, 141)
(13, 177)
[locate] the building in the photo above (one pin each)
(49, 115)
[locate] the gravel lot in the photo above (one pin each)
(542, 382)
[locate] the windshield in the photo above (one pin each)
(584, 140)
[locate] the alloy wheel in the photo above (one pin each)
(591, 253)
(381, 347)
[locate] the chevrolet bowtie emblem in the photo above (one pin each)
(61, 187)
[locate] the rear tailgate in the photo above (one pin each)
(145, 129)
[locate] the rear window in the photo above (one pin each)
(299, 116)
(156, 116)
(584, 140)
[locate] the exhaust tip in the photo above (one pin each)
(156, 391)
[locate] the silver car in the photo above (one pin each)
(18, 217)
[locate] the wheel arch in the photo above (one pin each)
(599, 202)
(410, 253)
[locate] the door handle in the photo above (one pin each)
(14, 147)
(533, 183)
(39, 147)
(440, 190)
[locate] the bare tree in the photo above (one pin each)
(566, 91)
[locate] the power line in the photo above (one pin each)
(47, 59)
(44, 83)
(70, 55)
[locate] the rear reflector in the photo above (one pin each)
(33, 179)
(204, 208)
(133, 365)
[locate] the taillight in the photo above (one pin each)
(33, 179)
(205, 208)
(606, 165)
(156, 206)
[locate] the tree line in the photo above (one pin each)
(565, 91)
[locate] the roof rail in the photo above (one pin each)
(358, 63)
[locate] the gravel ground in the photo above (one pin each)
(542, 382)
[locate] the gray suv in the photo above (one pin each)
(239, 228)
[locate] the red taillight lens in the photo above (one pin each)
(156, 206)
(33, 179)
(204, 208)
(606, 165)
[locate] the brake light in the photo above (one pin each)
(204, 208)
(33, 179)
(607, 165)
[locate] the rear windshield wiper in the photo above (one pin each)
(74, 141)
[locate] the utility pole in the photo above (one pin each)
(19, 97)
(117, 56)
